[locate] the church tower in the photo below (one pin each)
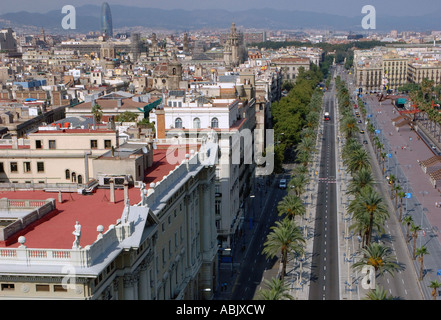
(232, 47)
(174, 72)
(185, 43)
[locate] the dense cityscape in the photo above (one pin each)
(219, 164)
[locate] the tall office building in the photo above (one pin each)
(106, 20)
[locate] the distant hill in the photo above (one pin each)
(180, 20)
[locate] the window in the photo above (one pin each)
(74, 177)
(108, 144)
(42, 287)
(8, 286)
(14, 167)
(217, 207)
(80, 179)
(178, 123)
(59, 288)
(26, 166)
(214, 123)
(196, 123)
(51, 144)
(40, 166)
(38, 144)
(67, 172)
(93, 144)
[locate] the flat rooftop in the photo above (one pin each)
(54, 231)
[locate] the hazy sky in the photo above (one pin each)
(340, 7)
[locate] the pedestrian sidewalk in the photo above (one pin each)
(229, 271)
(406, 148)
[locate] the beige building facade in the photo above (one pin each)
(161, 248)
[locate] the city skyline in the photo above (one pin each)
(346, 8)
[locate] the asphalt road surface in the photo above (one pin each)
(324, 269)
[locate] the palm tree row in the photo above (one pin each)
(366, 207)
(286, 236)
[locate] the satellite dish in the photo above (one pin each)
(144, 149)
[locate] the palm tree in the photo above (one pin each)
(379, 257)
(291, 206)
(284, 238)
(298, 183)
(369, 203)
(434, 285)
(401, 195)
(383, 160)
(307, 145)
(361, 225)
(408, 220)
(396, 188)
(378, 294)
(360, 180)
(303, 158)
(300, 169)
(348, 126)
(414, 229)
(276, 289)
(420, 252)
(358, 160)
(97, 112)
(392, 180)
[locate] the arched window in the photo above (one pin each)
(74, 177)
(67, 172)
(214, 123)
(196, 123)
(178, 123)
(80, 179)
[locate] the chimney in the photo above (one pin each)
(112, 190)
(126, 191)
(160, 124)
(14, 143)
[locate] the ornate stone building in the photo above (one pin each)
(233, 49)
(168, 75)
(155, 242)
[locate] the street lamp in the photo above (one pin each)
(252, 209)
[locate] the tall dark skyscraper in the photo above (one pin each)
(106, 20)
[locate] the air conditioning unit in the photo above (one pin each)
(104, 180)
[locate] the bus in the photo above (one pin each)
(327, 117)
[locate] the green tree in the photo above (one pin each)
(97, 112)
(369, 203)
(298, 183)
(284, 238)
(378, 256)
(127, 116)
(379, 293)
(420, 253)
(414, 229)
(291, 206)
(434, 285)
(358, 160)
(276, 289)
(408, 220)
(361, 179)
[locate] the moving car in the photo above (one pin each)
(282, 184)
